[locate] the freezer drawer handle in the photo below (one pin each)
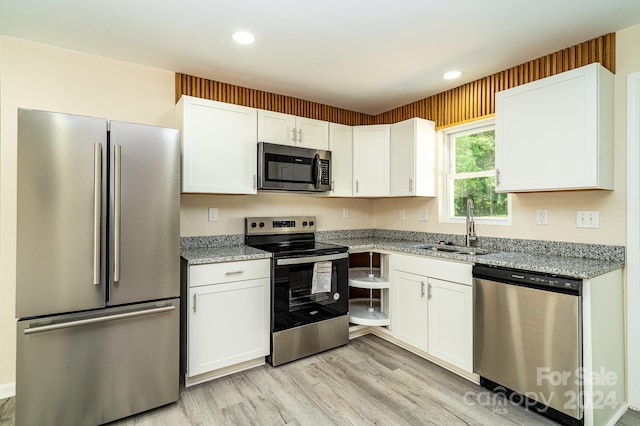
(97, 206)
(233, 273)
(89, 321)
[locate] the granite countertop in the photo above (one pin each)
(217, 254)
(575, 267)
(578, 266)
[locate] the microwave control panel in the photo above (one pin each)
(324, 172)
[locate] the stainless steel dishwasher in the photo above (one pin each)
(528, 340)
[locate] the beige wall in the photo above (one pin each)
(561, 206)
(42, 77)
(38, 76)
(232, 209)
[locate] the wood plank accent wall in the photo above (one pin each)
(476, 99)
(464, 103)
(223, 92)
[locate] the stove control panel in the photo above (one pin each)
(279, 225)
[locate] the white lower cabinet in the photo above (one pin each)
(410, 313)
(450, 320)
(228, 316)
(433, 308)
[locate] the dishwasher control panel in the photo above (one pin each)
(528, 278)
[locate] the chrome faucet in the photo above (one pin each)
(471, 227)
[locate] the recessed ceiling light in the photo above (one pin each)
(243, 37)
(451, 75)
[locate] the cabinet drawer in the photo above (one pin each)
(225, 272)
(447, 270)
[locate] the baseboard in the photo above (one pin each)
(618, 415)
(225, 371)
(7, 390)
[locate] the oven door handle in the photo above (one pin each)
(311, 259)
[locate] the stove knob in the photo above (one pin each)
(304, 223)
(311, 223)
(253, 224)
(261, 224)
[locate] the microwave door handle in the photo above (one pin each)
(317, 170)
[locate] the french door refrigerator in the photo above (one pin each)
(97, 268)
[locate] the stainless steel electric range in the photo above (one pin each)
(309, 286)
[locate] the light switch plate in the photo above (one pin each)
(213, 214)
(345, 212)
(423, 215)
(401, 215)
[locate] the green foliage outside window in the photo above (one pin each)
(476, 153)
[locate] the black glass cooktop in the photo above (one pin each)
(297, 248)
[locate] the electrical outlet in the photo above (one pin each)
(587, 219)
(541, 217)
(423, 215)
(213, 214)
(345, 213)
(401, 215)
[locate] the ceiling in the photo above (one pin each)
(363, 55)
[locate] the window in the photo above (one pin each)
(471, 174)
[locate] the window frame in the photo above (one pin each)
(448, 176)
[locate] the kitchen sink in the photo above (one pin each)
(471, 251)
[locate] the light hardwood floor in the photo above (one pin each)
(369, 381)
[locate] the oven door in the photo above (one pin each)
(309, 289)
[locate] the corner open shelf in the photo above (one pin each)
(367, 311)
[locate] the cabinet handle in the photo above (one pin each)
(421, 288)
(332, 185)
(410, 184)
(255, 182)
(429, 291)
(293, 134)
(194, 303)
(357, 187)
(300, 135)
(497, 177)
(233, 273)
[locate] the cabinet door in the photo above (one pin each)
(276, 127)
(556, 133)
(227, 324)
(312, 133)
(371, 161)
(450, 322)
(412, 158)
(341, 147)
(410, 313)
(219, 147)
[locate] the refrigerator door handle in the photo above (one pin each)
(97, 207)
(116, 212)
(64, 325)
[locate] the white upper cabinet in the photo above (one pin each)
(219, 146)
(413, 152)
(286, 129)
(341, 147)
(371, 145)
(556, 133)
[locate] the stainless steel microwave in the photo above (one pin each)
(291, 168)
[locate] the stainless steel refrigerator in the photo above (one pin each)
(97, 271)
